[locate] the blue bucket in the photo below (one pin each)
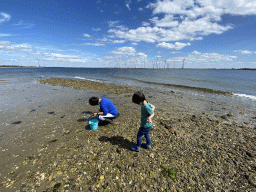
(93, 124)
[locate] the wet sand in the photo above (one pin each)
(197, 144)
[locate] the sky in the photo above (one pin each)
(129, 33)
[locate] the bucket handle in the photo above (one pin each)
(91, 117)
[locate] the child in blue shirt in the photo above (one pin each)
(147, 113)
(107, 109)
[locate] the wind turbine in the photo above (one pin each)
(38, 62)
(183, 63)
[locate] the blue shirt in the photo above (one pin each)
(106, 106)
(146, 111)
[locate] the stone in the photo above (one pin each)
(230, 114)
(252, 179)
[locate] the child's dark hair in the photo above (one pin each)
(138, 97)
(94, 101)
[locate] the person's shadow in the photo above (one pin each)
(87, 127)
(87, 114)
(117, 140)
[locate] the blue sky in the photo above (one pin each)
(132, 33)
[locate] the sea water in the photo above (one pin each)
(234, 87)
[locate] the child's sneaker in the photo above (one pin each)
(144, 145)
(135, 148)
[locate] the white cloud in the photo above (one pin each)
(103, 39)
(145, 24)
(118, 41)
(77, 60)
(234, 7)
(86, 35)
(196, 53)
(202, 26)
(146, 34)
(140, 9)
(23, 25)
(209, 57)
(176, 46)
(108, 57)
(213, 8)
(6, 46)
(94, 44)
(167, 21)
(60, 55)
(187, 30)
(98, 29)
(21, 22)
(112, 23)
(5, 43)
(63, 58)
(203, 59)
(4, 17)
(4, 35)
(127, 4)
(140, 54)
(134, 43)
(125, 51)
(244, 52)
(186, 20)
(121, 27)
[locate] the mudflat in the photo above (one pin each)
(197, 145)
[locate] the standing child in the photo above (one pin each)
(147, 113)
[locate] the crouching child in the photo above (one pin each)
(107, 111)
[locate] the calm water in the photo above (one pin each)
(236, 81)
(242, 83)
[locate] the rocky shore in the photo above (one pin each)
(193, 149)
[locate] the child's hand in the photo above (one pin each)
(94, 114)
(149, 120)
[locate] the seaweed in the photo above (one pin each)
(171, 173)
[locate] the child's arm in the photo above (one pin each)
(153, 107)
(150, 117)
(99, 113)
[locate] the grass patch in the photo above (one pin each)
(171, 173)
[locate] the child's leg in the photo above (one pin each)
(139, 137)
(148, 139)
(146, 134)
(104, 117)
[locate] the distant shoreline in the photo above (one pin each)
(15, 66)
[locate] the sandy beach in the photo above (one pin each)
(198, 144)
